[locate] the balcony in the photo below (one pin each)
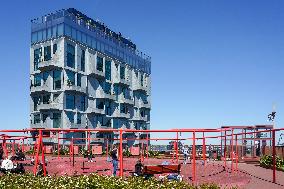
(50, 64)
(95, 110)
(101, 94)
(75, 125)
(75, 88)
(40, 125)
(118, 114)
(43, 88)
(142, 104)
(50, 106)
(96, 73)
(124, 100)
(138, 87)
(138, 117)
(118, 80)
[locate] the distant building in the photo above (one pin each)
(84, 75)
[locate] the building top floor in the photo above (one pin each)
(78, 27)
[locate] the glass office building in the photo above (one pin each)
(84, 75)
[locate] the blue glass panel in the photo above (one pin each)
(84, 38)
(79, 36)
(54, 31)
(48, 33)
(60, 29)
(39, 36)
(74, 34)
(67, 30)
(34, 37)
(44, 34)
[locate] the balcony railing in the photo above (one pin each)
(142, 104)
(118, 80)
(50, 64)
(138, 87)
(50, 106)
(101, 94)
(42, 88)
(122, 99)
(94, 72)
(95, 110)
(39, 125)
(71, 87)
(117, 113)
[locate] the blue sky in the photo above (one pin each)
(213, 62)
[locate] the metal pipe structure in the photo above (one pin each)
(193, 159)
(274, 156)
(232, 150)
(204, 149)
(177, 149)
(120, 154)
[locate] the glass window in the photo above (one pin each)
(141, 80)
(60, 29)
(67, 30)
(37, 57)
(70, 78)
(56, 79)
(84, 38)
(74, 34)
(46, 99)
(79, 119)
(45, 76)
(44, 116)
(70, 101)
(94, 44)
(89, 41)
(79, 78)
(47, 53)
(44, 34)
(107, 88)
(36, 118)
(34, 37)
(54, 48)
(36, 102)
(82, 103)
(55, 97)
(70, 56)
(48, 33)
(54, 31)
(108, 107)
(39, 35)
(56, 120)
(79, 36)
(37, 80)
(100, 104)
(100, 63)
(108, 70)
(70, 116)
(83, 61)
(122, 72)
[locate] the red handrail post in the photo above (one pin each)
(225, 149)
(177, 149)
(203, 149)
(107, 148)
(42, 154)
(147, 146)
(120, 154)
(237, 154)
(23, 145)
(13, 147)
(232, 150)
(193, 158)
(58, 145)
(274, 156)
(142, 153)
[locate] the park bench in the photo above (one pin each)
(161, 169)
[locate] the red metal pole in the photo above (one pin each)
(142, 153)
(177, 149)
(193, 159)
(232, 150)
(237, 153)
(147, 146)
(203, 149)
(13, 147)
(274, 156)
(107, 149)
(42, 155)
(23, 145)
(89, 141)
(225, 149)
(37, 153)
(120, 154)
(58, 146)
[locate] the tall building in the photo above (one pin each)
(84, 75)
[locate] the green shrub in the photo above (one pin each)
(92, 181)
(267, 161)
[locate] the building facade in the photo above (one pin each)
(84, 75)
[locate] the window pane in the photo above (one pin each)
(70, 101)
(60, 29)
(70, 56)
(56, 79)
(70, 77)
(99, 63)
(67, 30)
(74, 34)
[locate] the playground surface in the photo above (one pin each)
(212, 172)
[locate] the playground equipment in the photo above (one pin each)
(229, 146)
